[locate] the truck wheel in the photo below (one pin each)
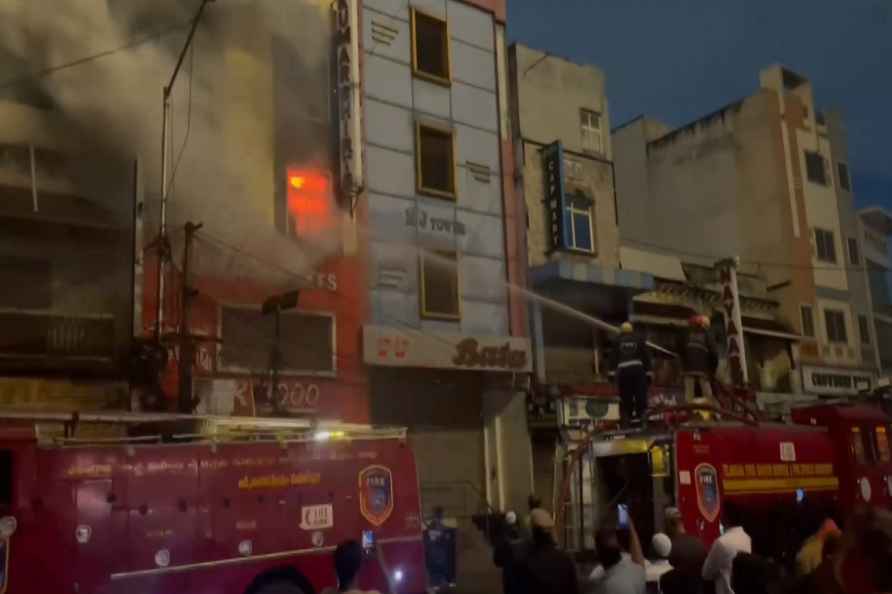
(278, 586)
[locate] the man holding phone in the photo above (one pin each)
(622, 574)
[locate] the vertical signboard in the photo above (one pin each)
(733, 323)
(349, 128)
(553, 163)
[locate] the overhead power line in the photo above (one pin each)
(131, 44)
(712, 257)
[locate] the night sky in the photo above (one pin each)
(677, 60)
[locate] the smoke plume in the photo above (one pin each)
(252, 97)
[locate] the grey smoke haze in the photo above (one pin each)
(259, 70)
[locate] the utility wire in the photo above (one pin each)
(131, 44)
(176, 165)
(767, 263)
(297, 275)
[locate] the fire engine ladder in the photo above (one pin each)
(184, 427)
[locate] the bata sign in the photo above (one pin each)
(349, 150)
(408, 348)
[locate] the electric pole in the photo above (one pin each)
(185, 339)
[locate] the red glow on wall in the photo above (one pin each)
(310, 201)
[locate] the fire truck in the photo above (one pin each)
(204, 505)
(784, 476)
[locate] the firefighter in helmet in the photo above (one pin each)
(632, 364)
(700, 361)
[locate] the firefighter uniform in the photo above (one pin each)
(700, 360)
(632, 366)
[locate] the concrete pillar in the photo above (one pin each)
(538, 342)
(508, 452)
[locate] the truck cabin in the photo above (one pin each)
(860, 433)
(782, 477)
(632, 468)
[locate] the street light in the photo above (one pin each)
(274, 305)
(165, 118)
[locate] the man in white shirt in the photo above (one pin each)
(720, 560)
(662, 547)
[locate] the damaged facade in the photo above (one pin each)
(65, 263)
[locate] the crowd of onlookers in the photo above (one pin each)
(856, 559)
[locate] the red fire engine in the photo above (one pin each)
(783, 476)
(240, 506)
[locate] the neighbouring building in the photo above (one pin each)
(446, 339)
(259, 170)
(563, 157)
(65, 263)
(251, 157)
(876, 227)
(764, 179)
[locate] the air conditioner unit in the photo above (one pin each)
(575, 411)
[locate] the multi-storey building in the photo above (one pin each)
(65, 262)
(351, 166)
(876, 227)
(566, 177)
(445, 340)
(764, 179)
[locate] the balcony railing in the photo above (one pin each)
(26, 335)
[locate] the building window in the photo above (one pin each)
(27, 283)
(306, 343)
(572, 169)
(835, 321)
(864, 329)
(814, 168)
(439, 286)
(6, 477)
(882, 441)
(808, 320)
(856, 446)
(578, 221)
(843, 172)
(430, 47)
(879, 287)
(590, 127)
(854, 252)
(825, 246)
(435, 161)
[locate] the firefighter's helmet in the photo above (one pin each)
(699, 321)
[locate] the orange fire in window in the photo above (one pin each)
(310, 202)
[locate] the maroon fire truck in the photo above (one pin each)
(214, 506)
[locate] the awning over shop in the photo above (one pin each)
(784, 335)
(583, 272)
(659, 265)
(770, 328)
(589, 287)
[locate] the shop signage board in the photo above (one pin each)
(394, 347)
(834, 381)
(553, 164)
(350, 150)
(733, 322)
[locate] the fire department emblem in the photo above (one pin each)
(707, 484)
(376, 494)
